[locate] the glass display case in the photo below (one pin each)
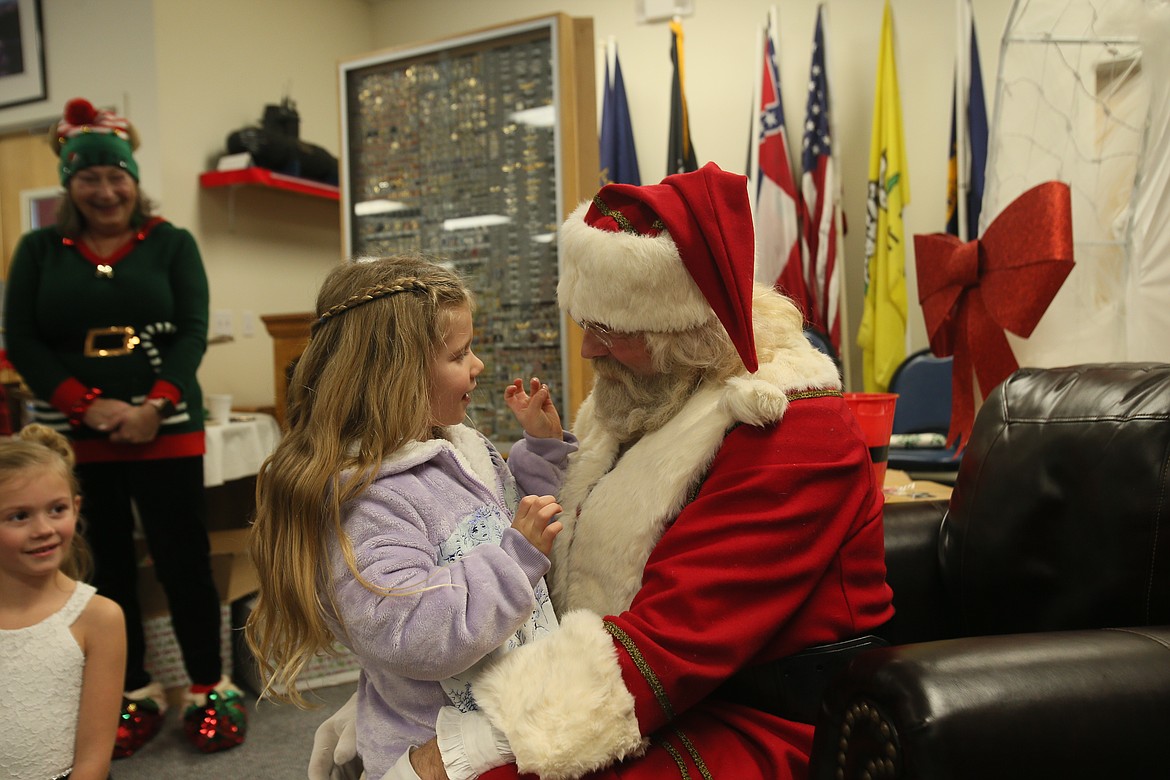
(474, 149)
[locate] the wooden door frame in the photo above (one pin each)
(27, 163)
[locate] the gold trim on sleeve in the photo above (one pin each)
(643, 667)
(694, 751)
(683, 773)
(804, 394)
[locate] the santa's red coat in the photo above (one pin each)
(708, 552)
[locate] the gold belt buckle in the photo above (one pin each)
(110, 342)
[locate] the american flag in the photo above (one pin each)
(820, 198)
(778, 225)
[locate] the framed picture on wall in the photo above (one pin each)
(38, 208)
(22, 53)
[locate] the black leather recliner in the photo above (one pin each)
(1032, 634)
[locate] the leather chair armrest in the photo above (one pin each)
(914, 574)
(1068, 704)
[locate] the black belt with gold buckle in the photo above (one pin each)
(113, 341)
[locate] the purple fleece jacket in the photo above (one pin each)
(453, 602)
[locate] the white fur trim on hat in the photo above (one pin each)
(624, 281)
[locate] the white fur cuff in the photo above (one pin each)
(562, 702)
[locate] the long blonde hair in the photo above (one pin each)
(360, 391)
(39, 446)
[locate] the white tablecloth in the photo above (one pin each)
(237, 448)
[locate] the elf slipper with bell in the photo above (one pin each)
(214, 717)
(143, 712)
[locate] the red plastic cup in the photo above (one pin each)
(875, 415)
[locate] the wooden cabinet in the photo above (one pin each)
(473, 150)
(290, 334)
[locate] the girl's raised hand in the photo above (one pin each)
(534, 519)
(534, 409)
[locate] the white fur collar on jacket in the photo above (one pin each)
(614, 519)
(468, 446)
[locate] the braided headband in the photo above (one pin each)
(370, 294)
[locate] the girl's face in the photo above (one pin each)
(454, 371)
(38, 517)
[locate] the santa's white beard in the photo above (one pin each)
(630, 405)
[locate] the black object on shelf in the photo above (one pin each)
(276, 145)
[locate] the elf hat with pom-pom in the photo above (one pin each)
(87, 136)
(663, 257)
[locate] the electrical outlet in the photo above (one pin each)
(222, 324)
(247, 324)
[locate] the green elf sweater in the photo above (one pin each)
(58, 292)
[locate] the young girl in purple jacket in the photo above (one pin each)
(387, 524)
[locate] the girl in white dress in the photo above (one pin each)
(62, 647)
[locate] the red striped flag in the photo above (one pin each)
(820, 194)
(777, 224)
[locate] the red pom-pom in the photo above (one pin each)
(80, 111)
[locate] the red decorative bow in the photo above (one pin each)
(970, 293)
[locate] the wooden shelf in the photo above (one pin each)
(262, 177)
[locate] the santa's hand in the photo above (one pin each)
(335, 745)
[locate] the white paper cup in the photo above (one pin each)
(219, 407)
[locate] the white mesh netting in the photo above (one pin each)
(1083, 96)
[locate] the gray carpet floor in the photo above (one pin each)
(280, 739)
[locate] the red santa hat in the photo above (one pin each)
(663, 257)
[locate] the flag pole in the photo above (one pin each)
(962, 146)
(844, 352)
(754, 137)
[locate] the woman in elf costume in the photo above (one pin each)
(106, 321)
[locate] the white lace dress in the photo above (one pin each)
(41, 670)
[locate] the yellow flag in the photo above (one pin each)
(882, 335)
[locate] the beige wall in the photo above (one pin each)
(219, 63)
(721, 63)
(188, 73)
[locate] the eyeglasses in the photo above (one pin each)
(603, 333)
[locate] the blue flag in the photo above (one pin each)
(976, 144)
(619, 157)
